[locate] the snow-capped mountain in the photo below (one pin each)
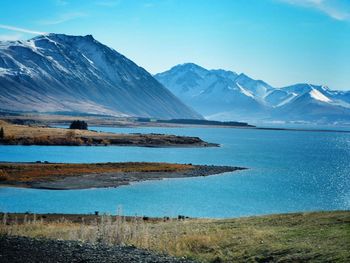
(62, 73)
(226, 95)
(313, 103)
(211, 92)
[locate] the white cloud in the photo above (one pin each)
(63, 18)
(11, 37)
(23, 30)
(337, 9)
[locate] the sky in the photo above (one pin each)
(282, 42)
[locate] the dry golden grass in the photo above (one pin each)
(320, 237)
(19, 131)
(28, 172)
(66, 119)
(39, 135)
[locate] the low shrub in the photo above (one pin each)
(79, 125)
(2, 133)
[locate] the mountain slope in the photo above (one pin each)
(61, 73)
(209, 91)
(313, 103)
(226, 95)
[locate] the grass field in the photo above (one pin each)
(300, 237)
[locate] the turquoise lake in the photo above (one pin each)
(288, 171)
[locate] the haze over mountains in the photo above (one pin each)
(226, 95)
(76, 74)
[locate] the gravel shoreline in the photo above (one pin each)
(116, 179)
(14, 249)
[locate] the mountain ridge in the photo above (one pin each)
(238, 97)
(64, 73)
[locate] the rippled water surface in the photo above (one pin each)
(288, 171)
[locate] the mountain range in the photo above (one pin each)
(227, 95)
(56, 73)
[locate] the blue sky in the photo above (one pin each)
(280, 41)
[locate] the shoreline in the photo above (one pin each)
(293, 237)
(15, 134)
(61, 176)
(109, 121)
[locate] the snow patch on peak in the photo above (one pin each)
(319, 96)
(287, 100)
(245, 92)
(89, 60)
(325, 88)
(31, 44)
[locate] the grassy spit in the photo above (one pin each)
(28, 172)
(39, 135)
(317, 237)
(63, 176)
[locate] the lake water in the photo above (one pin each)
(288, 171)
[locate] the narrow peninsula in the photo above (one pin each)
(14, 134)
(61, 176)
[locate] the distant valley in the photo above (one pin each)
(226, 95)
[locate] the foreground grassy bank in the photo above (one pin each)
(299, 237)
(39, 135)
(92, 175)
